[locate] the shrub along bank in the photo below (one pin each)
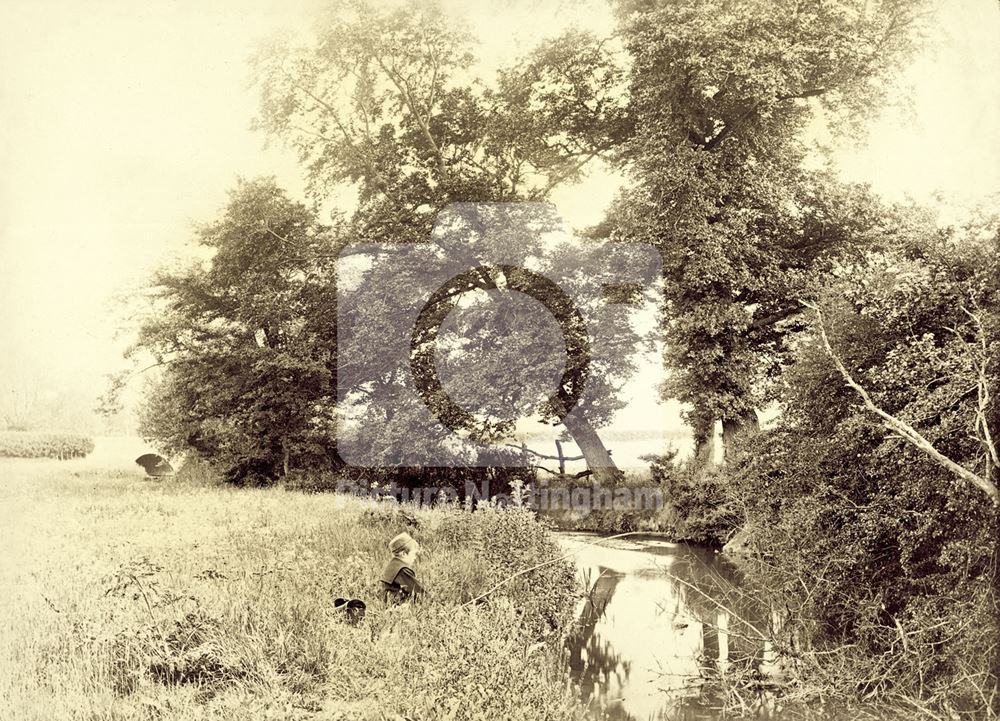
(674, 499)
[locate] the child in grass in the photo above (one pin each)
(399, 582)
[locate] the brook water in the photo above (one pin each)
(657, 626)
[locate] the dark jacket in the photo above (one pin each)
(399, 582)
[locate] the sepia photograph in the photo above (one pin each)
(505, 360)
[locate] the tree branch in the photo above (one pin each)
(900, 427)
(769, 320)
(983, 399)
(423, 123)
(542, 455)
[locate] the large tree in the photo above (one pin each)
(385, 101)
(493, 344)
(722, 95)
(245, 339)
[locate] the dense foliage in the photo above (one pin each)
(703, 111)
(386, 102)
(15, 444)
(721, 96)
(697, 501)
(246, 340)
(880, 552)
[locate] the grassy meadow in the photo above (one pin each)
(126, 598)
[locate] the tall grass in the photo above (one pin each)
(127, 599)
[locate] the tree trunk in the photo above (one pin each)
(994, 662)
(737, 427)
(594, 452)
(703, 428)
(704, 446)
(562, 458)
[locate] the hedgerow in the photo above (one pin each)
(16, 444)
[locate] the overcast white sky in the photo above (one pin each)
(122, 122)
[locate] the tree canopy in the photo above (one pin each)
(247, 338)
(387, 100)
(721, 96)
(384, 101)
(705, 113)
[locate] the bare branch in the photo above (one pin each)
(900, 427)
(542, 455)
(983, 398)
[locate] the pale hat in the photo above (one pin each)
(401, 543)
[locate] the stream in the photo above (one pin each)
(655, 624)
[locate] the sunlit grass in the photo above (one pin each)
(130, 598)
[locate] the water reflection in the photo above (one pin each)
(602, 674)
(656, 623)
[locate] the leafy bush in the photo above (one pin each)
(696, 500)
(499, 542)
(14, 444)
(884, 559)
(681, 501)
(195, 470)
